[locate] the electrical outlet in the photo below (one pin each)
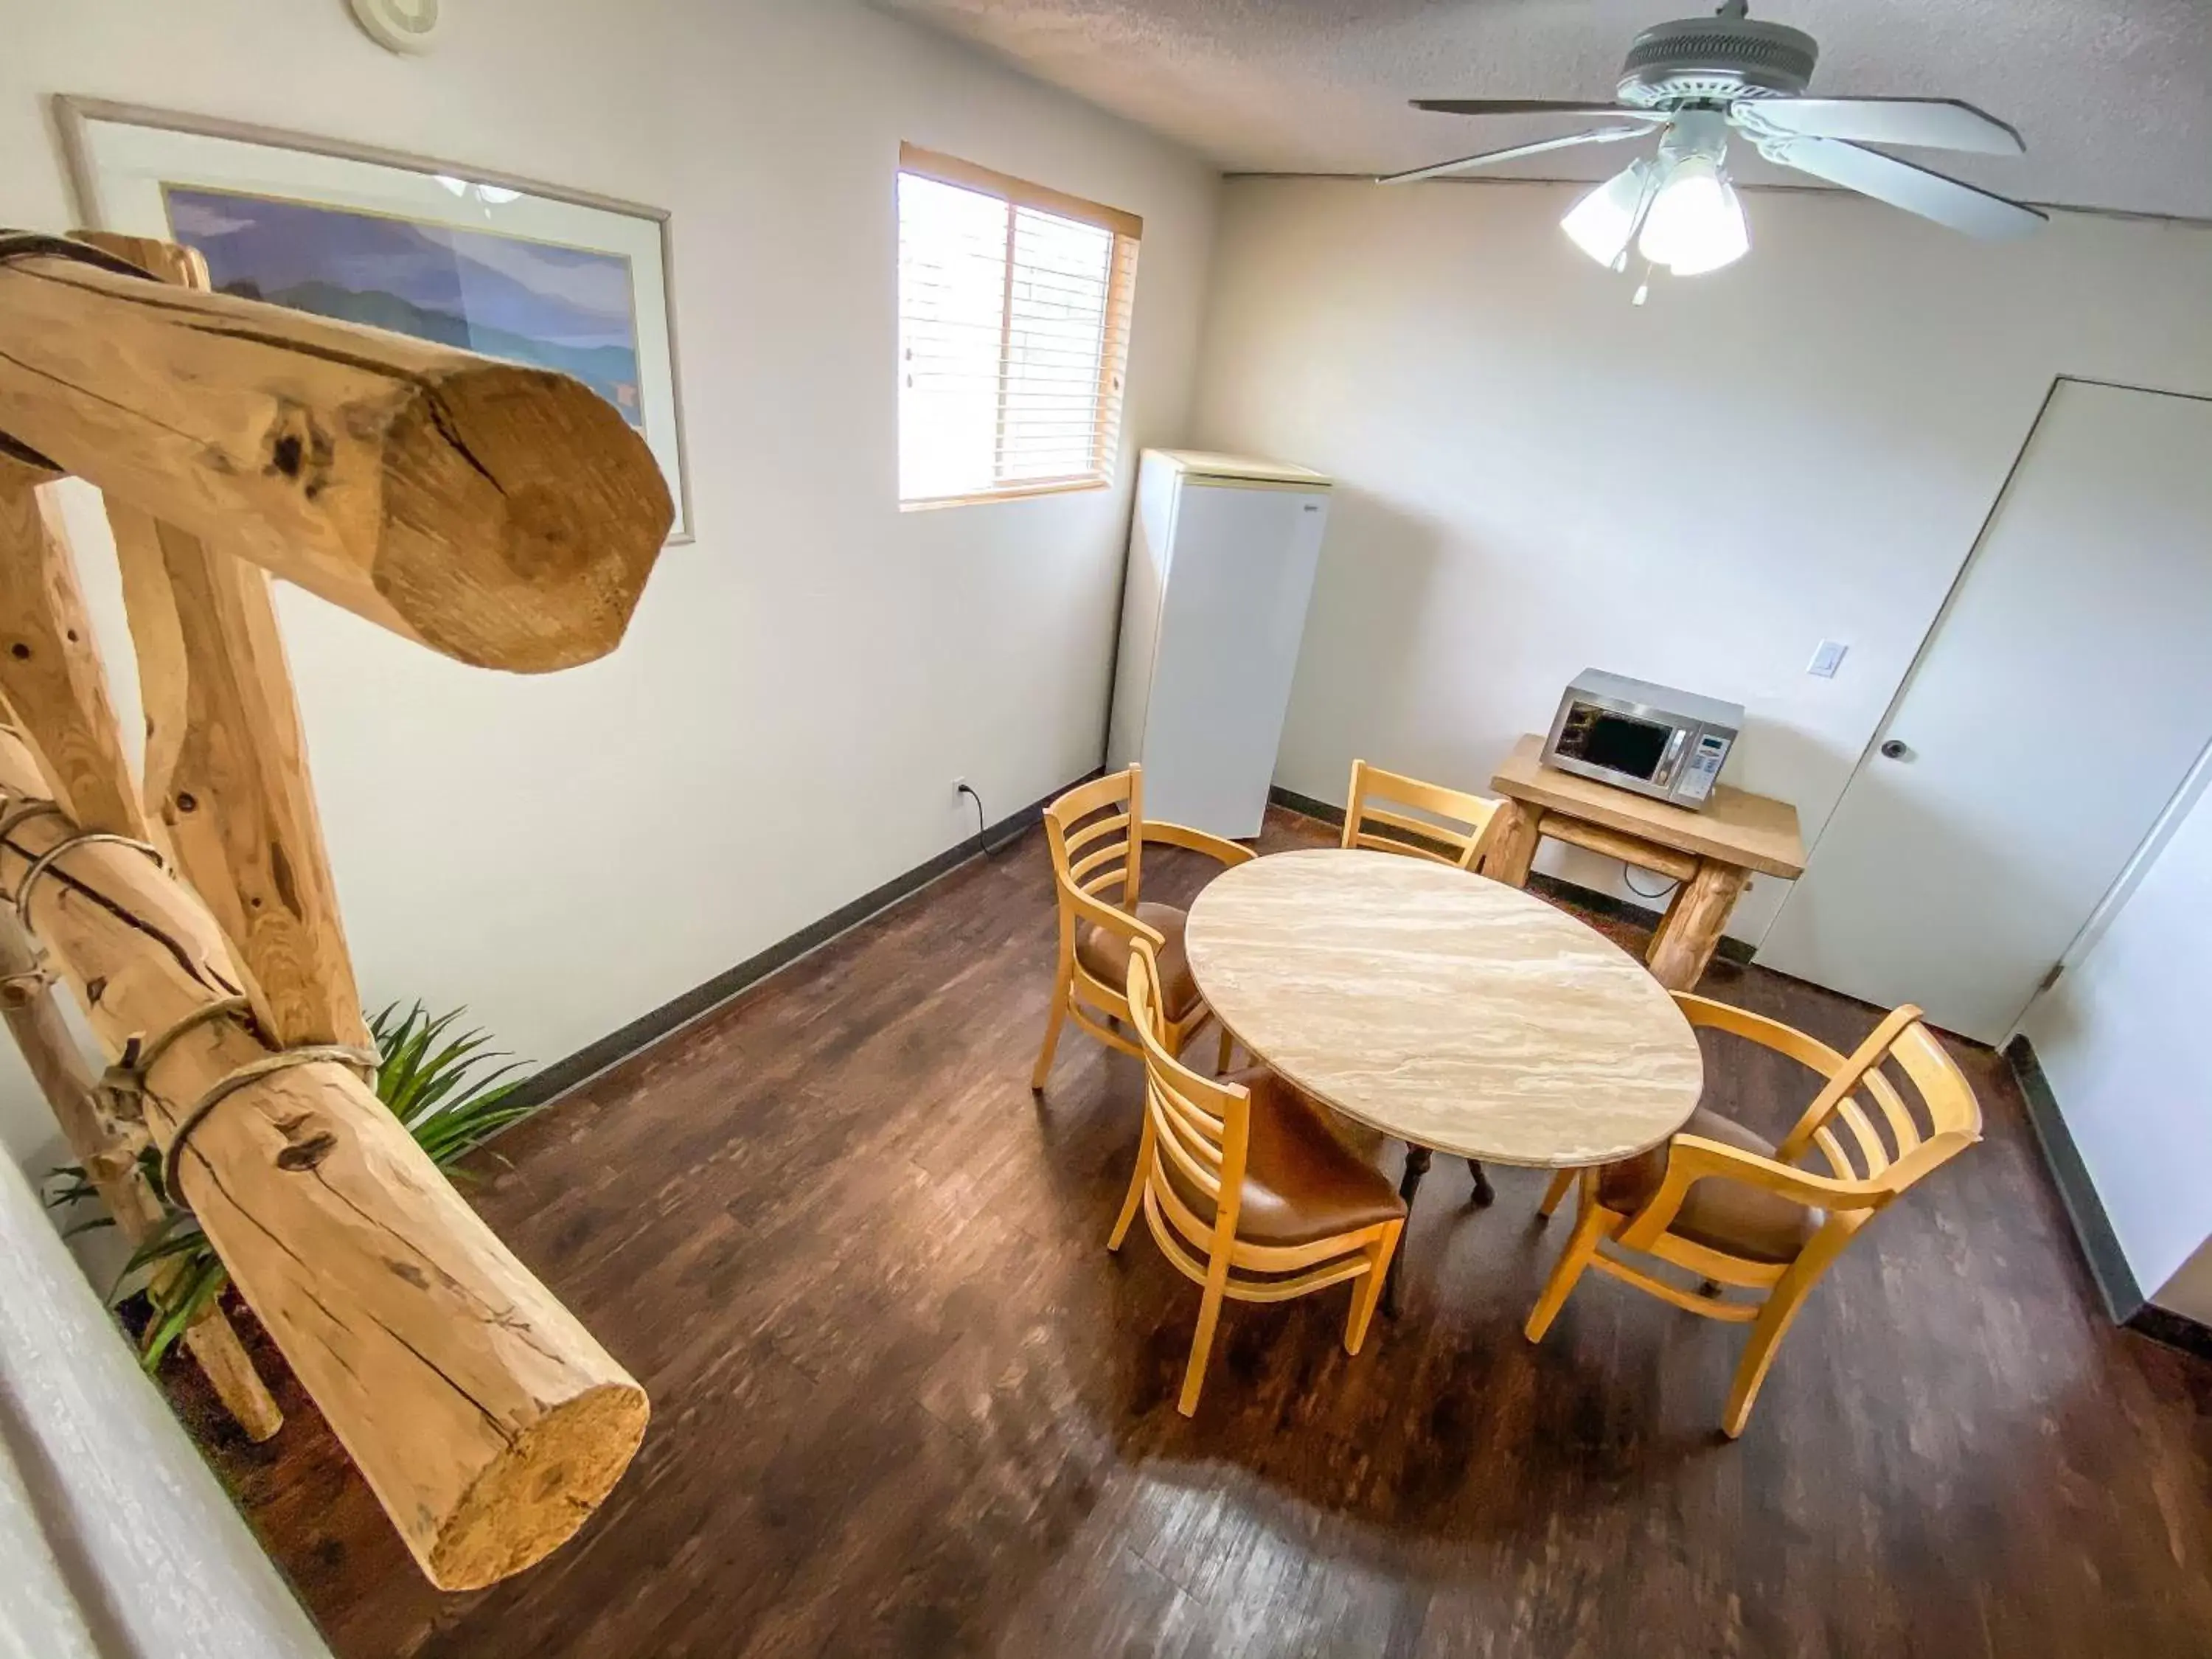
(958, 784)
(1827, 658)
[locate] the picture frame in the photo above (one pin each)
(508, 266)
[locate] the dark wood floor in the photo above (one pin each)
(905, 1402)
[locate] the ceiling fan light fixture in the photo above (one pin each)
(1601, 223)
(1696, 223)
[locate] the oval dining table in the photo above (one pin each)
(1443, 1009)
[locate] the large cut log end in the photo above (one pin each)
(528, 488)
(528, 1502)
(506, 515)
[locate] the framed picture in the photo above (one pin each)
(502, 265)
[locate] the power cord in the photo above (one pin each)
(1628, 878)
(988, 851)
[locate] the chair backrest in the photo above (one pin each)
(1889, 1147)
(1454, 831)
(1096, 834)
(1200, 1126)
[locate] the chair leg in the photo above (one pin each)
(1228, 1046)
(1555, 1194)
(1367, 1292)
(1766, 1333)
(1201, 1344)
(1582, 1246)
(1062, 988)
(1136, 1197)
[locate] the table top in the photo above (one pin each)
(1444, 1008)
(1756, 832)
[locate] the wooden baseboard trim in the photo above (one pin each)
(1550, 887)
(549, 1085)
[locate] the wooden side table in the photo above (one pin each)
(1712, 854)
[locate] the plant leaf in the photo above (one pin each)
(190, 1297)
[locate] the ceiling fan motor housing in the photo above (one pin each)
(1717, 59)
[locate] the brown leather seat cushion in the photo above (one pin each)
(1301, 1182)
(1725, 1215)
(1105, 953)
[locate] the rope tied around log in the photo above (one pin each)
(254, 1071)
(122, 1088)
(21, 989)
(24, 814)
(28, 244)
(122, 1085)
(45, 861)
(47, 809)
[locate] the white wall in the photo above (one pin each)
(780, 730)
(2121, 1040)
(1536, 477)
(2189, 1291)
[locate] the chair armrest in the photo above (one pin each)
(1809, 1052)
(1692, 1158)
(1225, 853)
(1107, 915)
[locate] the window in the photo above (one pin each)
(1013, 332)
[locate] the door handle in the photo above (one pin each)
(1895, 750)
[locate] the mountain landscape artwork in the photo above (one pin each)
(564, 309)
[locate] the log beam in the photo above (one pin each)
(504, 515)
(225, 767)
(487, 1420)
(34, 1016)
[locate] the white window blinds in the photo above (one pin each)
(1014, 333)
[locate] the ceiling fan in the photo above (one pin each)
(1692, 80)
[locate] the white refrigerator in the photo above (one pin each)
(1222, 552)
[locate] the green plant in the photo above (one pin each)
(436, 1086)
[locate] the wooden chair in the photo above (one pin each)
(1385, 829)
(1245, 1188)
(1723, 1203)
(1098, 833)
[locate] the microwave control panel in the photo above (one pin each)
(1698, 777)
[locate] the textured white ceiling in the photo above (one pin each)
(2114, 97)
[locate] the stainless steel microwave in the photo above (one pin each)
(1657, 741)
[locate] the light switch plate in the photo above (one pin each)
(1828, 659)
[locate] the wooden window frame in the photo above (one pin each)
(1127, 230)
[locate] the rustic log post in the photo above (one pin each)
(33, 1014)
(50, 670)
(485, 1418)
(505, 515)
(57, 691)
(225, 769)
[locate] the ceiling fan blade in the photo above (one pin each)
(1900, 183)
(1532, 106)
(1596, 136)
(1915, 123)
